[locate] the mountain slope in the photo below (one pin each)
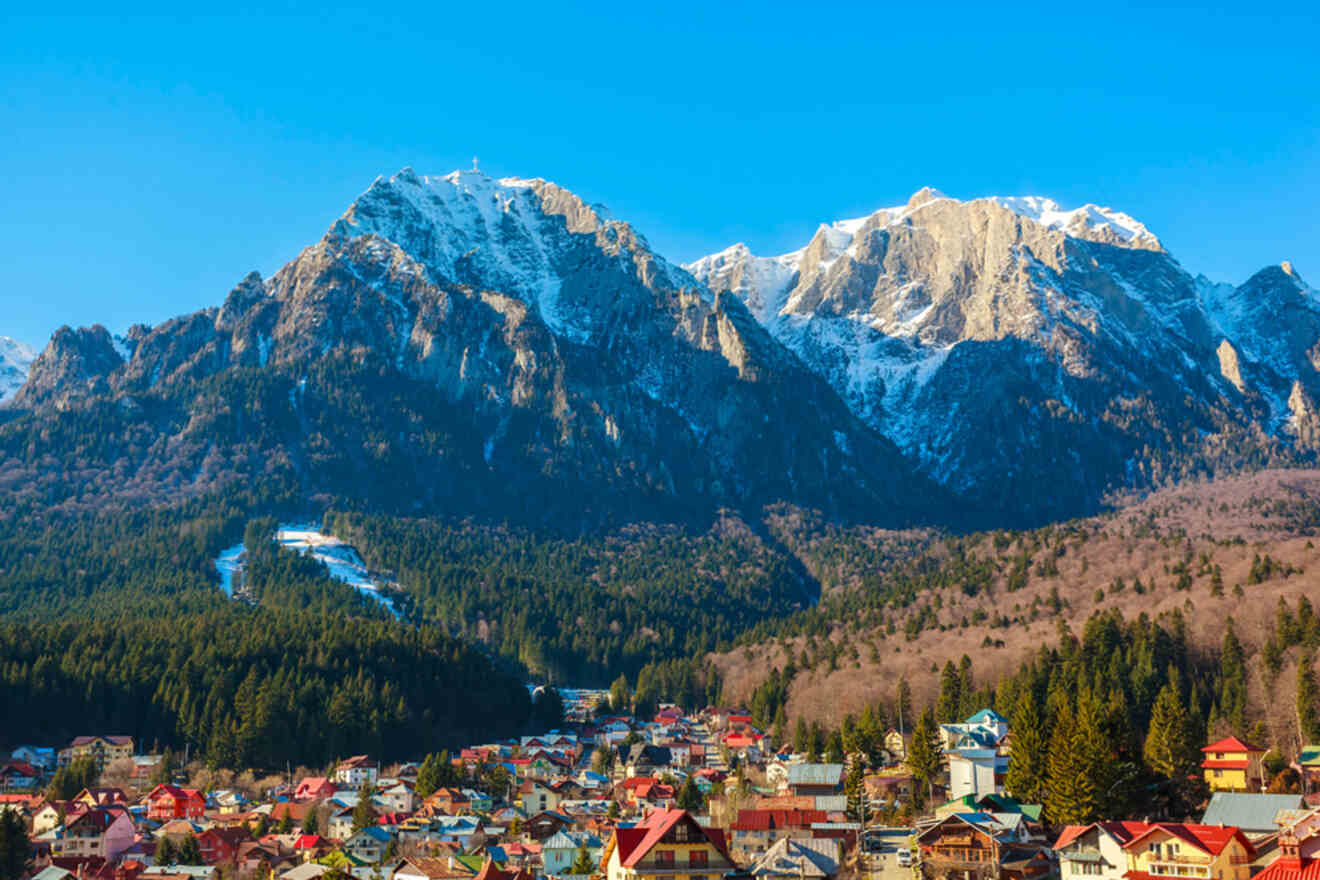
(1011, 348)
(461, 342)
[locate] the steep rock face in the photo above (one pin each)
(75, 365)
(1014, 349)
(557, 351)
(15, 360)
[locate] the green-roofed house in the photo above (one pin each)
(991, 803)
(1308, 767)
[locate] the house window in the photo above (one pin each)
(697, 858)
(665, 858)
(1218, 773)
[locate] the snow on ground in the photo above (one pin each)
(341, 559)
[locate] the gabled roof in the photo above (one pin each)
(1231, 744)
(1250, 812)
(634, 843)
(1208, 838)
(815, 774)
(986, 716)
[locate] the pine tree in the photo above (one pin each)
(620, 695)
(1308, 696)
(364, 815)
(428, 776)
(800, 736)
(1071, 797)
(310, 822)
(189, 852)
(1028, 766)
(966, 688)
(1170, 749)
(582, 863)
(164, 852)
(903, 706)
(690, 797)
(13, 845)
(1232, 696)
(854, 788)
(924, 758)
(950, 700)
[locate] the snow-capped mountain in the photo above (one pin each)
(1009, 346)
(522, 347)
(470, 344)
(15, 360)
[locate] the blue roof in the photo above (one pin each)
(986, 716)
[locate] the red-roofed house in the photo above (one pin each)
(166, 802)
(1233, 765)
(1176, 851)
(669, 842)
(314, 788)
(754, 831)
(1299, 851)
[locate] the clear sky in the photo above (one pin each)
(152, 160)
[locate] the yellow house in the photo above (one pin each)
(1233, 765)
(104, 750)
(1175, 851)
(669, 845)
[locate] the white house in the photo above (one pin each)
(559, 851)
(357, 772)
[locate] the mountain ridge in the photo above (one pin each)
(999, 358)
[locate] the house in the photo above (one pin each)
(165, 802)
(754, 832)
(559, 851)
(1299, 850)
(219, 846)
(426, 868)
(980, 846)
(314, 788)
(104, 750)
(1095, 850)
(103, 832)
(17, 773)
(810, 780)
(1177, 851)
(790, 859)
(1233, 765)
(976, 772)
(357, 771)
(644, 759)
(535, 796)
(398, 798)
(985, 729)
(1253, 813)
(368, 845)
(340, 824)
(895, 746)
(1307, 766)
(305, 871)
(490, 872)
(669, 842)
(41, 757)
(50, 816)
(100, 797)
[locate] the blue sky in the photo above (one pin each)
(154, 159)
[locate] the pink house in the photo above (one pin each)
(103, 832)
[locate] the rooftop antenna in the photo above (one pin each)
(474, 164)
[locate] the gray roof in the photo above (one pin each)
(814, 774)
(1253, 813)
(799, 859)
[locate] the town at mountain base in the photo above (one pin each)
(703, 795)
